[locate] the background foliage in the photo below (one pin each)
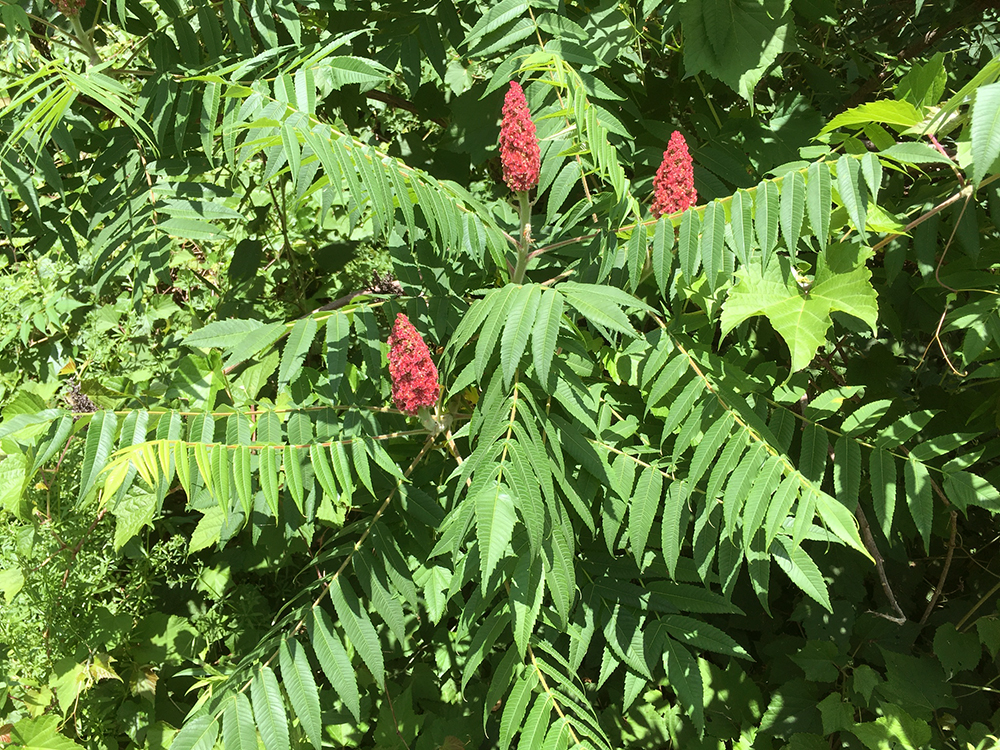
(725, 479)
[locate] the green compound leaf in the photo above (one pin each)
(197, 734)
(238, 729)
(734, 40)
(798, 309)
(642, 510)
(515, 707)
(358, 627)
(985, 130)
(296, 348)
(900, 115)
(269, 710)
(919, 498)
(100, 435)
(296, 673)
(495, 518)
(793, 208)
(517, 328)
(662, 255)
(819, 194)
(684, 677)
(801, 569)
(545, 332)
(334, 660)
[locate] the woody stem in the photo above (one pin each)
(523, 237)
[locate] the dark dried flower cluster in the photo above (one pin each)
(519, 152)
(77, 400)
(413, 374)
(69, 8)
(674, 182)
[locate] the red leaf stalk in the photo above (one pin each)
(673, 185)
(411, 369)
(519, 151)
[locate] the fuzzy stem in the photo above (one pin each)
(523, 238)
(86, 41)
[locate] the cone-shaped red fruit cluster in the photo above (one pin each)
(674, 182)
(413, 374)
(519, 152)
(69, 8)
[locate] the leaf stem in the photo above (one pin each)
(523, 237)
(85, 39)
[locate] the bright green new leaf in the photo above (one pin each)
(898, 114)
(799, 309)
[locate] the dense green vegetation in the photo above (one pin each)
(722, 479)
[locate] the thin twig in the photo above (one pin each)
(976, 606)
(869, 540)
(944, 313)
(967, 190)
(944, 571)
(395, 723)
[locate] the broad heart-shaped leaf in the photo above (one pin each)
(800, 313)
(43, 734)
(734, 40)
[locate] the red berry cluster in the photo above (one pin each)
(674, 182)
(413, 374)
(519, 152)
(69, 8)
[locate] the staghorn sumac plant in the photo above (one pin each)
(686, 474)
